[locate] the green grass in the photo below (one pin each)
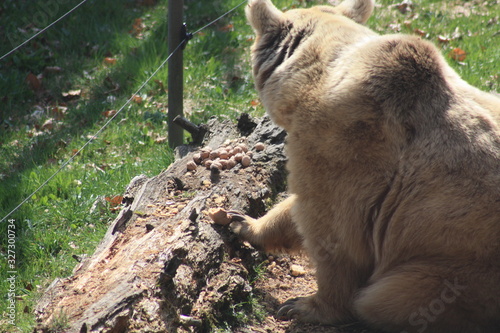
(57, 223)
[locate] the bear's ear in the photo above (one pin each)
(357, 10)
(263, 16)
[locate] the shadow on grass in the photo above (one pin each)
(76, 44)
(97, 30)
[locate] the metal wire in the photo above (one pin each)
(220, 17)
(115, 115)
(41, 31)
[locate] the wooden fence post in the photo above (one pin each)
(175, 72)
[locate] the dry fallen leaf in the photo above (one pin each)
(254, 102)
(137, 27)
(115, 200)
(420, 32)
(48, 125)
(405, 6)
(160, 84)
(33, 82)
(59, 112)
(443, 39)
(110, 61)
(137, 99)
(161, 139)
(458, 54)
(109, 113)
(227, 28)
(72, 93)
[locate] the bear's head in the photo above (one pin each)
(293, 49)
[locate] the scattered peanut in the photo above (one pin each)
(191, 165)
(243, 147)
(204, 154)
(223, 163)
(214, 154)
(197, 158)
(231, 163)
(246, 160)
(219, 216)
(216, 166)
(225, 157)
(238, 157)
(297, 270)
(259, 146)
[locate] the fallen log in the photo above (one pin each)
(163, 265)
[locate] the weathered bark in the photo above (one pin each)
(162, 265)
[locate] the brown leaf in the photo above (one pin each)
(110, 61)
(160, 84)
(458, 54)
(58, 112)
(137, 27)
(137, 99)
(115, 200)
(255, 102)
(405, 6)
(109, 113)
(420, 32)
(33, 82)
(48, 125)
(227, 28)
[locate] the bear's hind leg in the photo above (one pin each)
(418, 299)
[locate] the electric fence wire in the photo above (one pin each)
(115, 115)
(220, 17)
(41, 31)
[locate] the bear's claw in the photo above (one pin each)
(288, 310)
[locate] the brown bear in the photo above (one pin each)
(394, 173)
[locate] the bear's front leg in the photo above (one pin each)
(275, 232)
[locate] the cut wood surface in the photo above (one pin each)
(164, 266)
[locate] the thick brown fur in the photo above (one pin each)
(394, 166)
